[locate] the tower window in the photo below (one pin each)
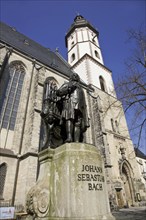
(11, 96)
(72, 57)
(96, 53)
(102, 83)
(3, 171)
(72, 43)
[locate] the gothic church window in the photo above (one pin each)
(11, 96)
(102, 83)
(3, 171)
(72, 57)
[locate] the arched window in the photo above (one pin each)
(72, 57)
(97, 54)
(102, 83)
(3, 171)
(11, 96)
(112, 124)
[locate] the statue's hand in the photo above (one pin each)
(71, 87)
(62, 91)
(42, 114)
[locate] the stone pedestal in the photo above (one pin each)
(71, 185)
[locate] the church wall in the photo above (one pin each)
(112, 109)
(96, 71)
(13, 137)
(142, 168)
(88, 135)
(19, 139)
(79, 35)
(98, 56)
(85, 34)
(93, 37)
(81, 69)
(29, 117)
(70, 59)
(3, 52)
(10, 176)
(72, 40)
(118, 148)
(82, 48)
(26, 178)
(89, 71)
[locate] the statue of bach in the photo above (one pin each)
(74, 113)
(64, 112)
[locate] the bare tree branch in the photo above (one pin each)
(131, 89)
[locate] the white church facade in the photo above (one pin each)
(24, 67)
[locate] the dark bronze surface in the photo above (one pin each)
(64, 112)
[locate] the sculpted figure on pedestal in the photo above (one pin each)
(64, 112)
(74, 113)
(51, 112)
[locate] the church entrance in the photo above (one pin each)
(120, 200)
(127, 186)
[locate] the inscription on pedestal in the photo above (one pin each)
(93, 175)
(71, 185)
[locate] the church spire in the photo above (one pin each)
(81, 39)
(79, 22)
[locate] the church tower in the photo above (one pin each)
(85, 56)
(108, 123)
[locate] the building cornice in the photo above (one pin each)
(118, 136)
(11, 154)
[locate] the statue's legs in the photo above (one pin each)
(48, 135)
(77, 130)
(69, 130)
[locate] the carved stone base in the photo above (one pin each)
(71, 185)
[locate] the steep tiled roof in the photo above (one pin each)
(20, 42)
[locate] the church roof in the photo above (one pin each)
(80, 21)
(22, 43)
(140, 154)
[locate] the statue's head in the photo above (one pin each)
(75, 77)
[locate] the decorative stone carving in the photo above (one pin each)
(38, 202)
(38, 198)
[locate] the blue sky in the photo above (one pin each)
(47, 21)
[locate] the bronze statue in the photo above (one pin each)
(64, 112)
(50, 115)
(74, 113)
